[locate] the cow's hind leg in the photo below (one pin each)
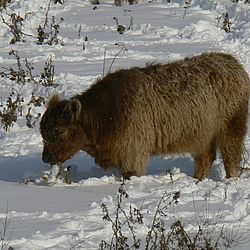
(204, 161)
(231, 143)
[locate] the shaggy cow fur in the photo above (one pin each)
(193, 105)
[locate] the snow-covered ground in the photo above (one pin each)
(55, 215)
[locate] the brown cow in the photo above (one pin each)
(194, 105)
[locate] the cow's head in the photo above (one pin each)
(60, 129)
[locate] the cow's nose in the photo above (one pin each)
(47, 157)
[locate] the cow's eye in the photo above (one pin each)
(62, 133)
(59, 131)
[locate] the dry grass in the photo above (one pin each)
(202, 235)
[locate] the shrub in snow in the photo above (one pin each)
(22, 75)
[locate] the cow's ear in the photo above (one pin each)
(72, 110)
(55, 99)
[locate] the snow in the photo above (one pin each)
(52, 214)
